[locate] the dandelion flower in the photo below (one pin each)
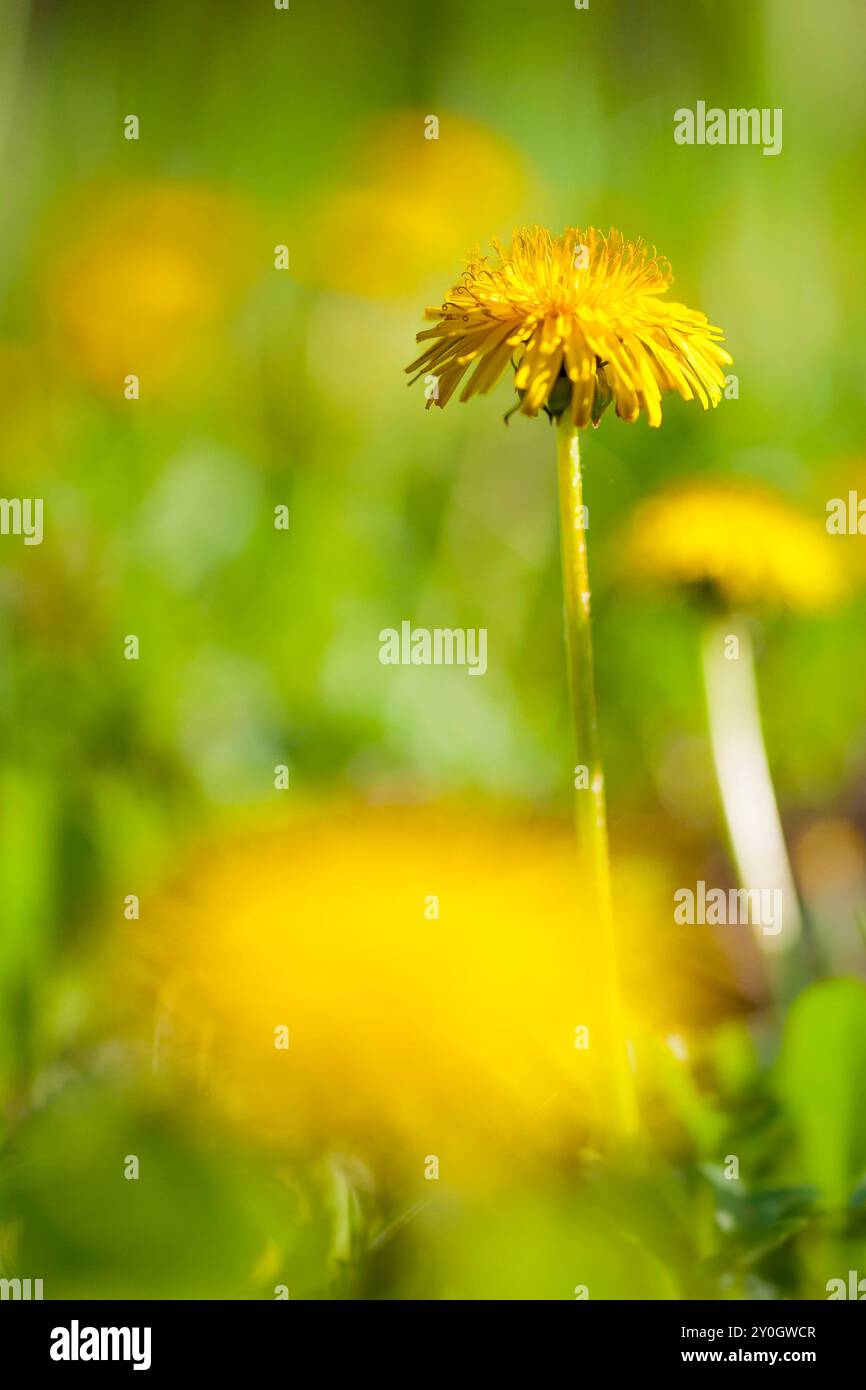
(424, 963)
(748, 549)
(583, 316)
(748, 545)
(405, 197)
(143, 284)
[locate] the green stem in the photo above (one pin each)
(743, 774)
(607, 1032)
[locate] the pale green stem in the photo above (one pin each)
(607, 1034)
(743, 773)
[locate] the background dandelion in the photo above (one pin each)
(739, 551)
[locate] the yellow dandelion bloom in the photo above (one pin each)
(146, 279)
(409, 207)
(583, 318)
(428, 968)
(746, 543)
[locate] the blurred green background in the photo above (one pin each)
(262, 387)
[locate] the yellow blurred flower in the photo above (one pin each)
(429, 968)
(152, 269)
(410, 206)
(583, 313)
(748, 544)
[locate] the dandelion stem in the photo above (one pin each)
(743, 773)
(607, 1033)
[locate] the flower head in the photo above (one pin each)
(147, 279)
(405, 196)
(582, 317)
(400, 1026)
(746, 543)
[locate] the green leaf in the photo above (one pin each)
(821, 1083)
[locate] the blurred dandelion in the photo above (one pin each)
(745, 543)
(407, 199)
(152, 270)
(745, 549)
(582, 318)
(412, 1028)
(411, 1024)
